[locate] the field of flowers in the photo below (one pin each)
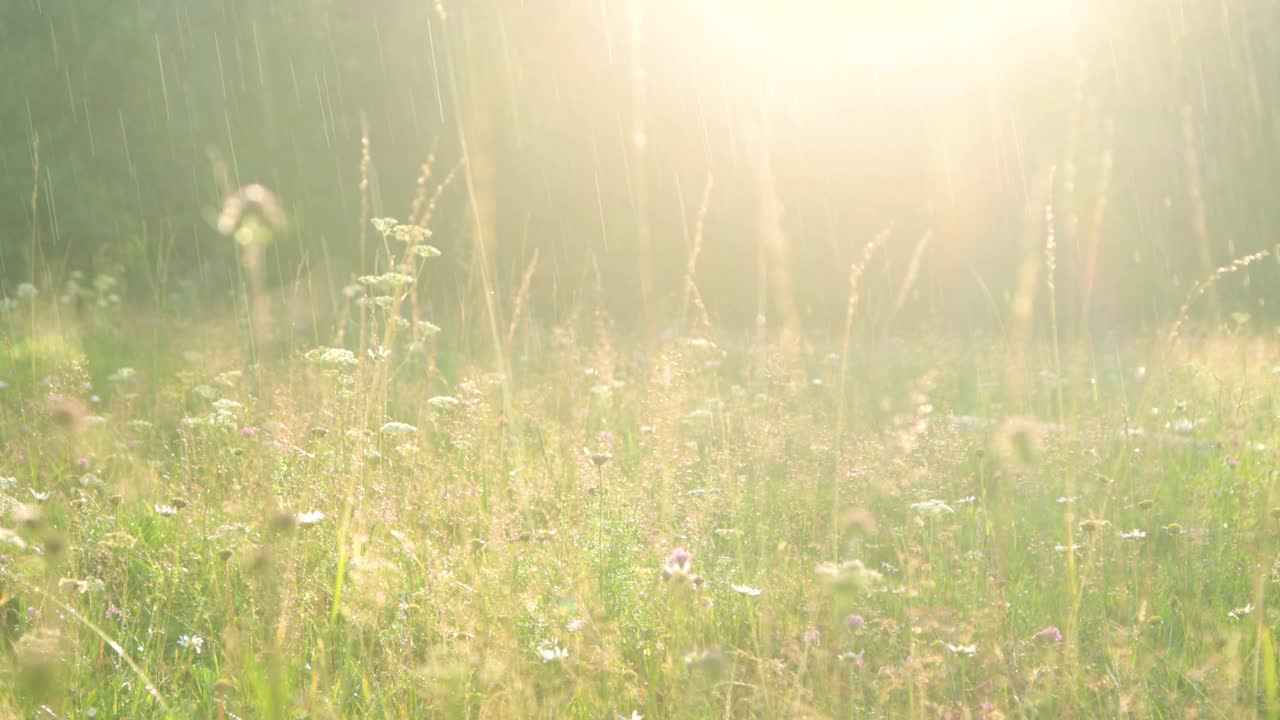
(366, 525)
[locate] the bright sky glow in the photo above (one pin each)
(913, 46)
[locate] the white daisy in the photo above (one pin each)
(191, 642)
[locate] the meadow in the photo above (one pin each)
(726, 359)
(196, 525)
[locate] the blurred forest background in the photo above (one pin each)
(587, 131)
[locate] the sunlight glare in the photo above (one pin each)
(919, 46)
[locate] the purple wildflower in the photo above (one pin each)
(1050, 634)
(854, 621)
(679, 566)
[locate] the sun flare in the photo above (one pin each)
(913, 46)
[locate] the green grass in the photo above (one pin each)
(452, 552)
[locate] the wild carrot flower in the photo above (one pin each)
(398, 428)
(308, 519)
(552, 652)
(933, 507)
(443, 402)
(850, 574)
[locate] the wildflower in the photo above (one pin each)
(398, 428)
(933, 507)
(679, 565)
(747, 590)
(635, 715)
(26, 291)
(1092, 525)
(552, 652)
(1049, 634)
(599, 458)
(40, 496)
(1073, 548)
(854, 657)
(812, 637)
(1066, 500)
(113, 612)
(165, 510)
(1240, 612)
(1134, 534)
(1173, 528)
(191, 642)
(854, 621)
(443, 402)
(308, 519)
(340, 359)
(966, 650)
(248, 212)
(1231, 462)
(248, 432)
(850, 574)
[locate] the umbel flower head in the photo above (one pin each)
(251, 214)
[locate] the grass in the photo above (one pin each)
(209, 537)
